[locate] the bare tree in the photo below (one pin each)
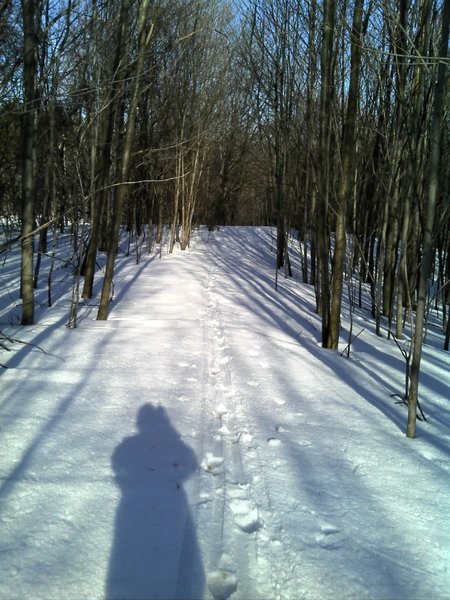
(144, 34)
(29, 137)
(274, 48)
(327, 65)
(347, 175)
(428, 238)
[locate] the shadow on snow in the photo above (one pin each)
(153, 521)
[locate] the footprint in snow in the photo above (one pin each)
(212, 464)
(328, 529)
(245, 514)
(279, 401)
(305, 443)
(327, 542)
(274, 442)
(221, 410)
(237, 490)
(221, 584)
(252, 383)
(327, 538)
(281, 429)
(224, 431)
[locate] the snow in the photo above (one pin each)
(201, 444)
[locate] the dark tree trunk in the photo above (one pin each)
(347, 178)
(28, 167)
(427, 246)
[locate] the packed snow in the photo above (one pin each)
(201, 444)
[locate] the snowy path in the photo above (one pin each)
(320, 493)
(202, 431)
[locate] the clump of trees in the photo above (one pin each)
(326, 117)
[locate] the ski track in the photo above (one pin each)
(251, 537)
(280, 545)
(250, 542)
(285, 493)
(233, 516)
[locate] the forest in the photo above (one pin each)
(328, 120)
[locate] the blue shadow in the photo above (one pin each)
(155, 553)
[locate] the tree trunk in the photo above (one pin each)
(427, 246)
(326, 95)
(101, 127)
(179, 191)
(29, 136)
(347, 177)
(403, 294)
(144, 38)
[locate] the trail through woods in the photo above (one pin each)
(201, 444)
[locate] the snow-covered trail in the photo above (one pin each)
(200, 444)
(341, 512)
(65, 414)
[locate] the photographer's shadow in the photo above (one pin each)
(155, 552)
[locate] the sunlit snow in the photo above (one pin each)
(201, 444)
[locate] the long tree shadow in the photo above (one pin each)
(155, 553)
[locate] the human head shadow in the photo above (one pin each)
(155, 553)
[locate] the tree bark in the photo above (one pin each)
(347, 177)
(100, 136)
(128, 142)
(326, 95)
(427, 245)
(29, 136)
